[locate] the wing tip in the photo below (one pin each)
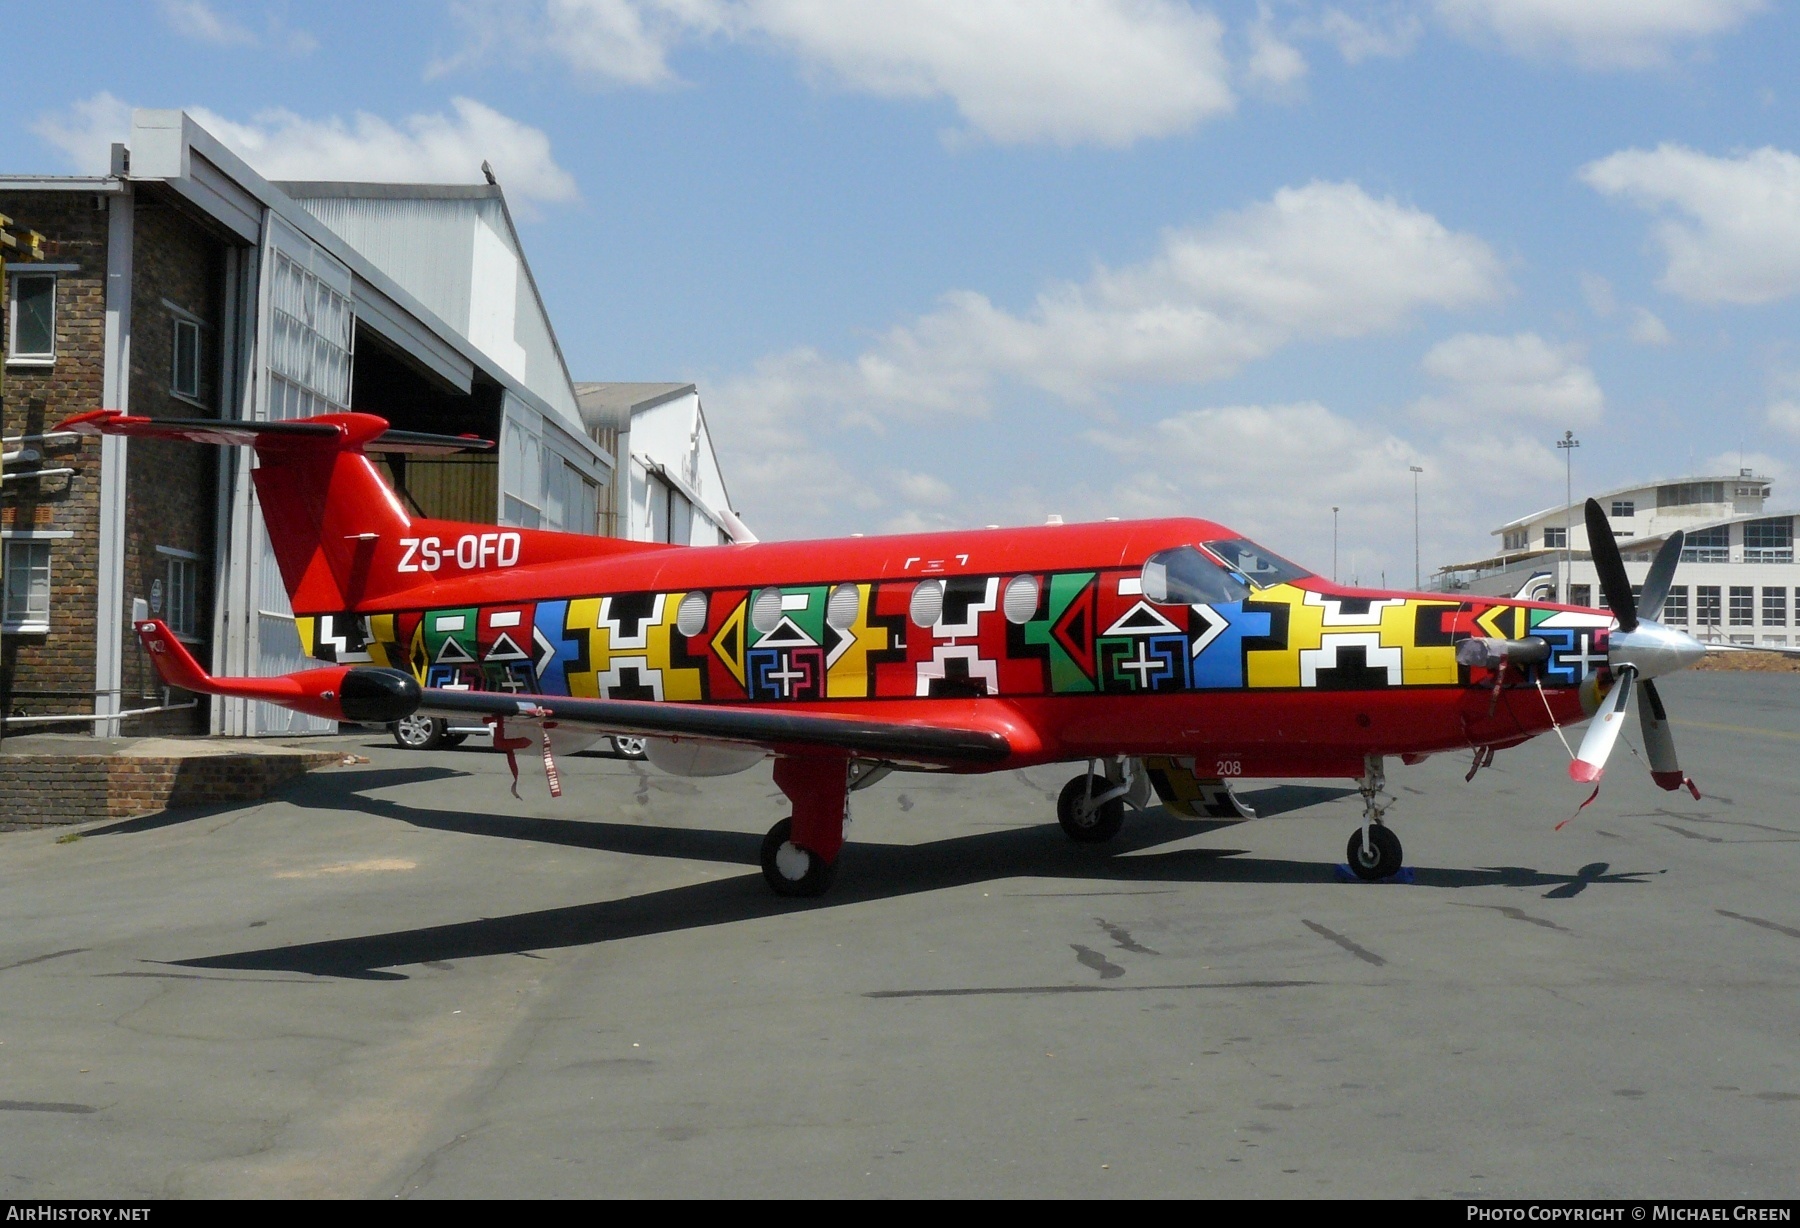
(1583, 772)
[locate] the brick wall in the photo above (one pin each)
(54, 673)
(51, 790)
(171, 487)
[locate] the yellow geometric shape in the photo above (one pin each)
(848, 676)
(1280, 667)
(728, 642)
(308, 627)
(581, 623)
(677, 684)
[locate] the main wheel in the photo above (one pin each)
(1086, 823)
(791, 870)
(420, 732)
(628, 748)
(1381, 859)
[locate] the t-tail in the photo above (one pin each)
(342, 537)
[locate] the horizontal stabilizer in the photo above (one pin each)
(253, 434)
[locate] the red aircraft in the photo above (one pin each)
(1170, 655)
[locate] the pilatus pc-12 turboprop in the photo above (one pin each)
(1170, 655)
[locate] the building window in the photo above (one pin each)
(1624, 509)
(1675, 605)
(1708, 546)
(1706, 605)
(32, 336)
(27, 587)
(1769, 541)
(180, 579)
(1743, 606)
(1686, 494)
(1515, 539)
(1774, 607)
(1555, 537)
(184, 367)
(1581, 594)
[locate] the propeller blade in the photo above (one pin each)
(1659, 742)
(1614, 583)
(1662, 572)
(1603, 731)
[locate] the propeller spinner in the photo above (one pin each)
(1640, 649)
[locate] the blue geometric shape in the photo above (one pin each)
(553, 678)
(1220, 665)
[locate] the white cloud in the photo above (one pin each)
(85, 133)
(1274, 64)
(1599, 295)
(198, 20)
(1064, 72)
(1489, 381)
(424, 148)
(1647, 329)
(613, 42)
(1761, 464)
(1596, 33)
(1389, 34)
(1322, 261)
(1735, 233)
(201, 22)
(1323, 459)
(1784, 415)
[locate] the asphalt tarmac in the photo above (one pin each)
(395, 980)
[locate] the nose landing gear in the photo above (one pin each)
(1374, 851)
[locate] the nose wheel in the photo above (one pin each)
(1376, 858)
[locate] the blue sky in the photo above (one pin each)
(945, 263)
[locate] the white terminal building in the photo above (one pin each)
(1737, 582)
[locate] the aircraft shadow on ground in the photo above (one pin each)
(867, 872)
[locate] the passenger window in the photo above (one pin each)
(1184, 576)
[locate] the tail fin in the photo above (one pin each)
(342, 538)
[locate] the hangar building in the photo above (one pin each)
(675, 491)
(184, 284)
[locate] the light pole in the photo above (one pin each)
(1416, 471)
(1568, 443)
(1334, 541)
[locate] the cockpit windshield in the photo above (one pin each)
(1184, 576)
(1256, 564)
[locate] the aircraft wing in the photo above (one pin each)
(964, 744)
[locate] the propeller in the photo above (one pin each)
(1641, 648)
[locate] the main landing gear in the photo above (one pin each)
(1091, 807)
(799, 855)
(1374, 850)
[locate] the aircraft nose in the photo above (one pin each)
(1689, 651)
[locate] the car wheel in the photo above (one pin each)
(419, 732)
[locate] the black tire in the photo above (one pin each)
(628, 747)
(420, 732)
(455, 739)
(1083, 826)
(1382, 858)
(814, 881)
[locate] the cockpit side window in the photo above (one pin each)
(1255, 564)
(1184, 576)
